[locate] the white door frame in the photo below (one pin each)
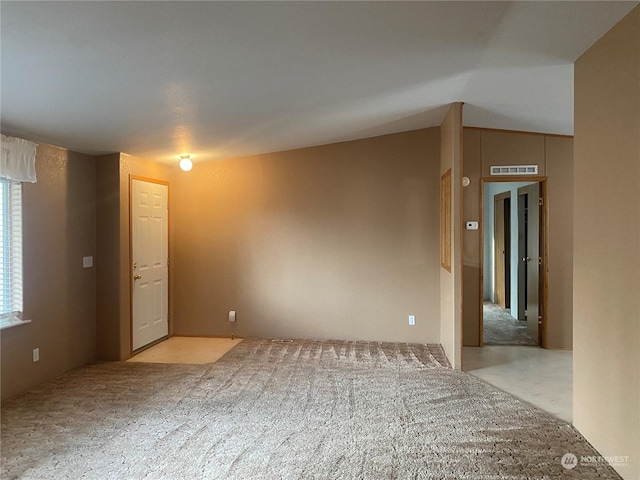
(133, 178)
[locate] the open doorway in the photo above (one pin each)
(513, 274)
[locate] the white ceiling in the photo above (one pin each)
(223, 79)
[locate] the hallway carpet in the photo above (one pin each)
(286, 410)
(500, 328)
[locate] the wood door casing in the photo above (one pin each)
(544, 243)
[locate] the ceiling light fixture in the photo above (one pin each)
(185, 163)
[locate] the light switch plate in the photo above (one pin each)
(87, 262)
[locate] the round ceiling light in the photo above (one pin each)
(185, 163)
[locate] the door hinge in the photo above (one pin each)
(541, 201)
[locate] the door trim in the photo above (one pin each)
(506, 240)
(169, 319)
(544, 241)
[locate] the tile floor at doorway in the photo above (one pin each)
(541, 377)
(189, 350)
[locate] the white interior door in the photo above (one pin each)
(150, 255)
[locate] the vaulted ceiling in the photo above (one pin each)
(225, 79)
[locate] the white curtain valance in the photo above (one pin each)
(18, 161)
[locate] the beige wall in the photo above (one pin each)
(554, 157)
(113, 263)
(59, 295)
(606, 261)
(511, 148)
(559, 167)
(337, 241)
(471, 255)
(451, 282)
(108, 256)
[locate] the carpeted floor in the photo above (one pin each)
(500, 328)
(285, 410)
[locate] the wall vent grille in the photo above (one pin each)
(514, 170)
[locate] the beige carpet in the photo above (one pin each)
(189, 350)
(276, 410)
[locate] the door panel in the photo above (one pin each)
(522, 254)
(500, 250)
(533, 260)
(506, 221)
(149, 237)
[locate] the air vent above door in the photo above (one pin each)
(514, 170)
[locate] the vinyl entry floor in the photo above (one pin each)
(188, 350)
(541, 377)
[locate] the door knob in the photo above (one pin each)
(526, 259)
(137, 277)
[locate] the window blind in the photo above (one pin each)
(17, 159)
(10, 250)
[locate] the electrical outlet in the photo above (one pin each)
(36, 355)
(87, 262)
(412, 319)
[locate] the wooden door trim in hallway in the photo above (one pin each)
(501, 249)
(544, 242)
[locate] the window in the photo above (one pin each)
(17, 165)
(10, 252)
